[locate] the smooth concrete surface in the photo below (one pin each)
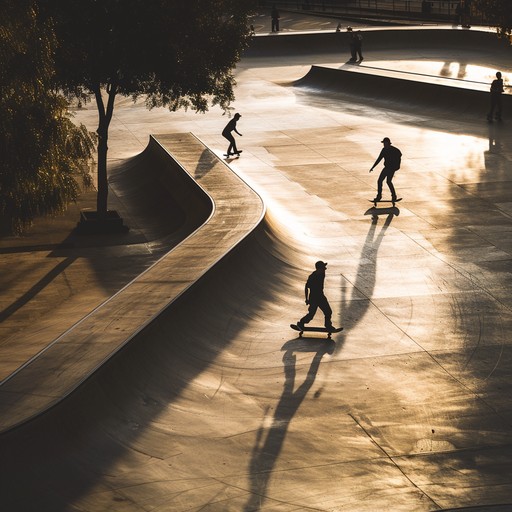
(224, 214)
(53, 276)
(218, 406)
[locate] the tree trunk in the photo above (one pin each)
(105, 116)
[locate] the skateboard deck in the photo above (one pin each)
(234, 155)
(329, 332)
(385, 201)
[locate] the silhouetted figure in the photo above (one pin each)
(275, 19)
(392, 158)
(315, 298)
(352, 44)
(466, 21)
(459, 12)
(226, 133)
(496, 92)
(358, 42)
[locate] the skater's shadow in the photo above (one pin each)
(272, 433)
(352, 309)
(375, 212)
(273, 430)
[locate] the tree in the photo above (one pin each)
(42, 150)
(497, 13)
(177, 53)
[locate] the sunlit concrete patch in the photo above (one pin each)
(461, 73)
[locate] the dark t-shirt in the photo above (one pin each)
(392, 157)
(230, 126)
(497, 86)
(315, 283)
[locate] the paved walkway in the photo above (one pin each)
(409, 409)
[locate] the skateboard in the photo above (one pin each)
(236, 155)
(384, 201)
(329, 332)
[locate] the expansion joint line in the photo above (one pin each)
(391, 459)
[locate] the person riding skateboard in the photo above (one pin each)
(226, 133)
(315, 298)
(392, 158)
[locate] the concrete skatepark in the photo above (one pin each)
(187, 390)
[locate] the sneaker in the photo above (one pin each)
(300, 325)
(378, 198)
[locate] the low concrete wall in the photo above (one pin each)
(472, 40)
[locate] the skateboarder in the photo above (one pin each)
(392, 158)
(226, 133)
(496, 91)
(315, 298)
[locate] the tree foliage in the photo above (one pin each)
(42, 150)
(175, 53)
(498, 13)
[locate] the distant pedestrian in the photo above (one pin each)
(352, 44)
(275, 18)
(315, 298)
(392, 159)
(359, 45)
(226, 133)
(459, 12)
(496, 92)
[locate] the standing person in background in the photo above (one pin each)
(496, 92)
(359, 45)
(352, 44)
(275, 18)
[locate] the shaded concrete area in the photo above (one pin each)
(218, 406)
(53, 277)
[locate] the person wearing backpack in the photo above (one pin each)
(392, 158)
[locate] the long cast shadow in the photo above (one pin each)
(36, 288)
(365, 275)
(270, 442)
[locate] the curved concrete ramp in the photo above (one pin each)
(384, 87)
(71, 359)
(162, 199)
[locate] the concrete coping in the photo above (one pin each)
(59, 369)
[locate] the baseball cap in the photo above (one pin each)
(386, 139)
(320, 264)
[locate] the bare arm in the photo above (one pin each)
(381, 156)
